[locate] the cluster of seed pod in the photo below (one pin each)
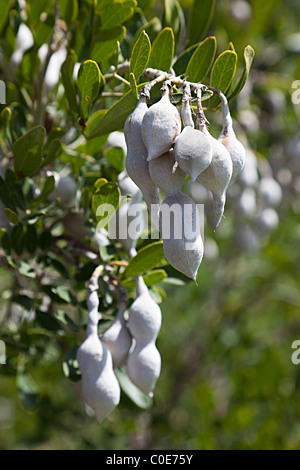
(160, 154)
(126, 342)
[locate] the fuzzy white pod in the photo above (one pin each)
(183, 246)
(100, 387)
(117, 337)
(135, 162)
(144, 362)
(161, 125)
(217, 176)
(192, 148)
(229, 140)
(165, 174)
(269, 192)
(64, 189)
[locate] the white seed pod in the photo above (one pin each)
(269, 192)
(192, 148)
(268, 220)
(229, 140)
(64, 189)
(135, 162)
(144, 362)
(161, 125)
(100, 387)
(182, 242)
(217, 176)
(117, 338)
(165, 174)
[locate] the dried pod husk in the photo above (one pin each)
(144, 361)
(135, 162)
(161, 125)
(182, 242)
(192, 148)
(100, 387)
(217, 176)
(228, 138)
(117, 338)
(165, 174)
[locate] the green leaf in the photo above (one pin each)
(66, 320)
(88, 82)
(152, 28)
(53, 152)
(31, 239)
(93, 122)
(222, 73)
(70, 365)
(146, 259)
(105, 202)
(68, 10)
(248, 56)
(67, 80)
(12, 216)
(23, 300)
(18, 238)
(47, 321)
(200, 19)
(26, 270)
(140, 55)
(47, 189)
(201, 60)
(115, 117)
(27, 389)
(183, 59)
(5, 6)
(28, 151)
(162, 51)
(133, 86)
(115, 156)
(174, 18)
(136, 396)
(105, 43)
(114, 12)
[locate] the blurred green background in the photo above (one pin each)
(227, 380)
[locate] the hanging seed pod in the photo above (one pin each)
(182, 242)
(117, 337)
(100, 387)
(165, 174)
(161, 124)
(217, 176)
(228, 138)
(144, 362)
(135, 162)
(193, 151)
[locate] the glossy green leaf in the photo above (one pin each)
(133, 86)
(152, 28)
(5, 6)
(66, 320)
(173, 17)
(146, 259)
(115, 117)
(68, 10)
(88, 83)
(201, 60)
(183, 59)
(70, 365)
(27, 389)
(222, 73)
(200, 19)
(28, 151)
(115, 156)
(69, 86)
(105, 43)
(140, 55)
(162, 51)
(136, 396)
(248, 57)
(105, 202)
(114, 12)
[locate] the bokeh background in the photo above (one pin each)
(227, 380)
